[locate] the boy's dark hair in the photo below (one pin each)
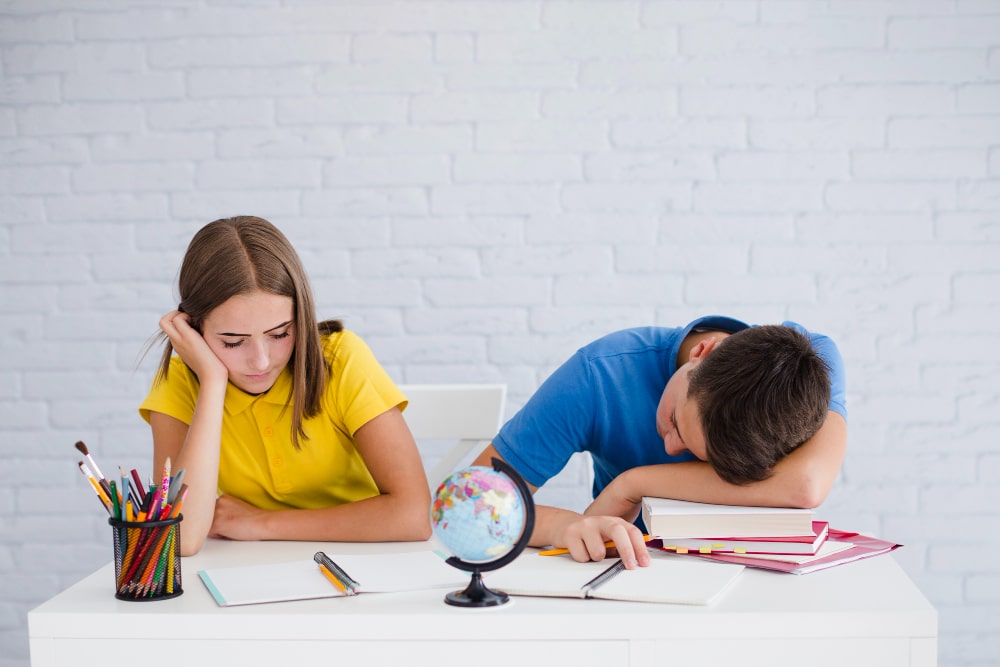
(761, 392)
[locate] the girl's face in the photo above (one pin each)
(254, 337)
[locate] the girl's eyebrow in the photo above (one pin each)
(238, 335)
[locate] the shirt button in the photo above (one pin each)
(276, 461)
(268, 432)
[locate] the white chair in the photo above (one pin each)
(470, 414)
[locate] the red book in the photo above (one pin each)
(803, 544)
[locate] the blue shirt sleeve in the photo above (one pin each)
(828, 352)
(555, 423)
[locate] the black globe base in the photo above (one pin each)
(476, 594)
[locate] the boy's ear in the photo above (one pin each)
(703, 348)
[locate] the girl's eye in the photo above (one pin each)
(232, 345)
(282, 335)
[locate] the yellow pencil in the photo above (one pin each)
(563, 550)
(336, 582)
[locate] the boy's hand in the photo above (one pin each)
(585, 538)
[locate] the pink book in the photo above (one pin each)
(861, 547)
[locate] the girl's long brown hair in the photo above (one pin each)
(245, 254)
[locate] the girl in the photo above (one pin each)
(286, 429)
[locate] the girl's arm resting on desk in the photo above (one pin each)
(802, 479)
(399, 513)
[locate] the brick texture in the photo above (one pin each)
(479, 187)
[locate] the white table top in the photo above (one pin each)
(867, 598)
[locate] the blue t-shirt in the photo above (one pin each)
(603, 401)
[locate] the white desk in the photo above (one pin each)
(863, 613)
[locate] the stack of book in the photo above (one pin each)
(772, 538)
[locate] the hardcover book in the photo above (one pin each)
(671, 519)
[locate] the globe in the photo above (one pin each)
(484, 517)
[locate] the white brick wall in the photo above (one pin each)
(478, 187)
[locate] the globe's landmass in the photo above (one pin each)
(478, 514)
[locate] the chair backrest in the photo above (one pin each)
(470, 414)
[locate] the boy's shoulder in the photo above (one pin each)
(652, 338)
(632, 340)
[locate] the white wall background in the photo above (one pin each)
(478, 187)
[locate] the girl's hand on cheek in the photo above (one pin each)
(192, 348)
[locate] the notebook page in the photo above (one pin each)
(670, 579)
(255, 584)
(548, 576)
(398, 572)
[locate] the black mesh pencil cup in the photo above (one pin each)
(147, 559)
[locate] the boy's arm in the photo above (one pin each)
(584, 536)
(802, 479)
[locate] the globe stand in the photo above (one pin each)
(476, 594)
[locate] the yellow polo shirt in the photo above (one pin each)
(258, 462)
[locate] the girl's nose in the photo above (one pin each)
(258, 358)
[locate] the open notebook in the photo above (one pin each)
(668, 578)
(303, 579)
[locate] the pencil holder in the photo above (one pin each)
(147, 559)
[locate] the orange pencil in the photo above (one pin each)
(181, 495)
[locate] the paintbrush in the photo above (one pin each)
(93, 466)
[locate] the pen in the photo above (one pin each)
(563, 550)
(350, 585)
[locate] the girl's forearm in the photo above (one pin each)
(199, 457)
(382, 518)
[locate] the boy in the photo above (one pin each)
(717, 411)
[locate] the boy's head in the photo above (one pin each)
(761, 393)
